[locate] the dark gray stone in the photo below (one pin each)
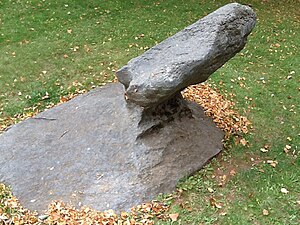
(188, 57)
(99, 151)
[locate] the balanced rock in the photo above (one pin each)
(188, 57)
(103, 151)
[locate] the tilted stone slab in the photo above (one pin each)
(96, 150)
(188, 57)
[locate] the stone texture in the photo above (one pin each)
(98, 150)
(188, 57)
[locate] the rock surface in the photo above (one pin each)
(188, 57)
(98, 150)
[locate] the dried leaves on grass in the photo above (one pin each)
(215, 106)
(11, 212)
(219, 109)
(59, 213)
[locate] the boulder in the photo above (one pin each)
(97, 150)
(188, 57)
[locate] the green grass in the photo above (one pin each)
(46, 46)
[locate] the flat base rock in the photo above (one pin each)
(89, 151)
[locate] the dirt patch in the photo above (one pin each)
(228, 168)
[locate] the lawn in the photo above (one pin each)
(51, 49)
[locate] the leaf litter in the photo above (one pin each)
(215, 106)
(220, 109)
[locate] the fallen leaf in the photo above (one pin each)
(76, 48)
(232, 172)
(243, 141)
(124, 215)
(214, 203)
(287, 148)
(46, 96)
(223, 213)
(284, 190)
(264, 150)
(272, 163)
(223, 177)
(210, 190)
(218, 205)
(277, 45)
(265, 212)
(63, 99)
(174, 216)
(54, 216)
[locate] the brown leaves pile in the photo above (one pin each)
(219, 109)
(11, 212)
(59, 213)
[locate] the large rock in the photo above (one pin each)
(188, 57)
(100, 151)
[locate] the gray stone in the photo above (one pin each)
(98, 150)
(188, 57)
